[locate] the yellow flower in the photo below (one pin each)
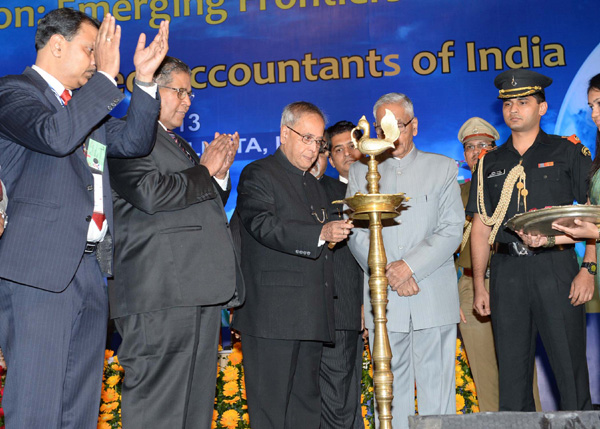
(107, 408)
(109, 395)
(475, 408)
(367, 424)
(113, 380)
(230, 389)
(231, 401)
(108, 354)
(246, 418)
(230, 373)
(230, 419)
(460, 403)
(103, 425)
(470, 386)
(213, 425)
(364, 410)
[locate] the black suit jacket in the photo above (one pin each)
(347, 273)
(289, 278)
(46, 174)
(173, 246)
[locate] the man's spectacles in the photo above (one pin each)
(309, 139)
(401, 128)
(181, 92)
(481, 146)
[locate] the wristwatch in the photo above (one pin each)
(4, 218)
(591, 267)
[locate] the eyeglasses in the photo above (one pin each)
(309, 139)
(181, 92)
(401, 128)
(481, 146)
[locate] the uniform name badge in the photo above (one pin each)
(96, 155)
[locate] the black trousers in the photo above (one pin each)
(340, 378)
(170, 362)
(282, 382)
(530, 295)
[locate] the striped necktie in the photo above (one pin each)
(181, 146)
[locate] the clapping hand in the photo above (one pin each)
(147, 58)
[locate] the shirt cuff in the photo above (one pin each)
(222, 182)
(112, 79)
(411, 270)
(321, 242)
(150, 90)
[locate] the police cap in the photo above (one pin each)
(477, 129)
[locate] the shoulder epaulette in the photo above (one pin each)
(573, 139)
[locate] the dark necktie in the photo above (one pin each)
(65, 97)
(180, 145)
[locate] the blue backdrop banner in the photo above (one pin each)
(249, 58)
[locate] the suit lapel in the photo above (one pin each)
(172, 145)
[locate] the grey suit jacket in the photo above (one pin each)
(425, 236)
(173, 246)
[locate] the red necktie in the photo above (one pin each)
(65, 96)
(98, 219)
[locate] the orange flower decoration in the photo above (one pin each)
(110, 395)
(113, 380)
(108, 354)
(460, 403)
(103, 425)
(104, 417)
(107, 408)
(230, 373)
(230, 419)
(235, 357)
(230, 389)
(117, 367)
(246, 418)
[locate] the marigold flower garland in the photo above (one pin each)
(231, 408)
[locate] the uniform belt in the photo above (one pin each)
(90, 247)
(519, 249)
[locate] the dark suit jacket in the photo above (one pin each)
(289, 278)
(347, 273)
(173, 246)
(46, 174)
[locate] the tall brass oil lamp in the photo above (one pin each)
(374, 207)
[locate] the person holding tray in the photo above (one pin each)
(531, 289)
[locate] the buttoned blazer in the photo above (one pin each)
(288, 277)
(46, 174)
(425, 236)
(173, 245)
(347, 274)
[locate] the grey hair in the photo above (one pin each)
(293, 111)
(170, 65)
(394, 98)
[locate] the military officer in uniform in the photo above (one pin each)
(532, 289)
(477, 137)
